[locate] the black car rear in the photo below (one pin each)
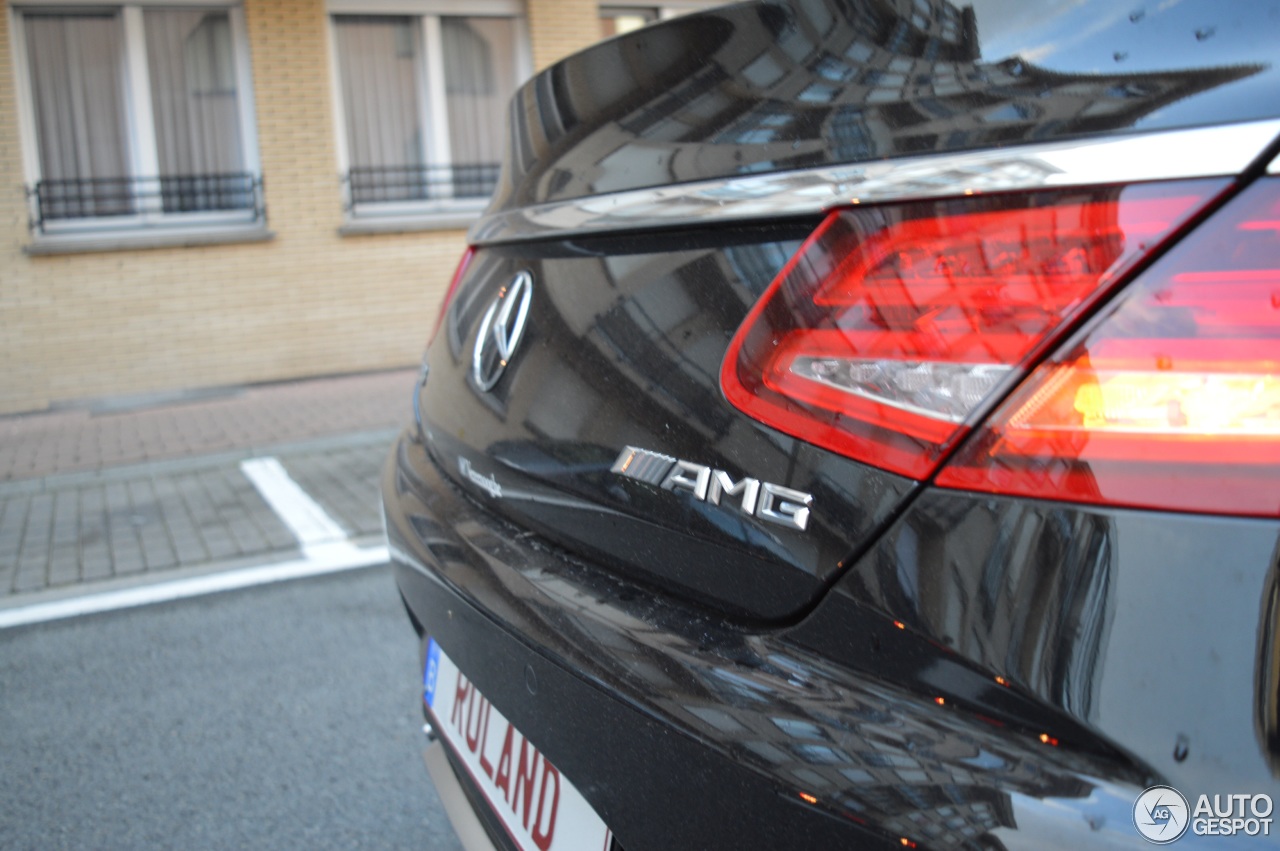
(859, 423)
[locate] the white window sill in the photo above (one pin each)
(364, 223)
(130, 240)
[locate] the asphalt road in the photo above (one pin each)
(282, 716)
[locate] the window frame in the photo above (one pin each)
(665, 9)
(149, 218)
(442, 210)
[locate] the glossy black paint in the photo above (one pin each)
(623, 348)
(1147, 628)
(768, 86)
(686, 731)
(960, 671)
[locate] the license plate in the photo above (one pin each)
(538, 806)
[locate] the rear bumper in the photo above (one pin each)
(684, 732)
(472, 833)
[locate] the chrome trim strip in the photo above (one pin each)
(1197, 152)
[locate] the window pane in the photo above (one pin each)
(617, 21)
(195, 104)
(378, 67)
(480, 79)
(76, 64)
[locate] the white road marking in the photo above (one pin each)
(325, 549)
(308, 522)
(331, 558)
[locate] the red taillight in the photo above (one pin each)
(1170, 398)
(891, 328)
(453, 288)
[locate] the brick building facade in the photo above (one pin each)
(308, 245)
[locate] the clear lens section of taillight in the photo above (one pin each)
(894, 326)
(1170, 398)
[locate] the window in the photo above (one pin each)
(619, 18)
(423, 101)
(136, 117)
(616, 20)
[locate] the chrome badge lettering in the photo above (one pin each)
(488, 484)
(763, 500)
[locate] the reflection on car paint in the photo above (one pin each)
(770, 88)
(867, 743)
(625, 350)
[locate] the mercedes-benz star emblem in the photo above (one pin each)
(500, 331)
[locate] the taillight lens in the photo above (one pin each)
(893, 326)
(1170, 398)
(453, 288)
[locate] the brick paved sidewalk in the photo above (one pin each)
(131, 496)
(44, 444)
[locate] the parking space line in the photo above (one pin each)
(306, 519)
(325, 549)
(322, 559)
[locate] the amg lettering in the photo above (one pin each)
(722, 484)
(691, 477)
(784, 506)
(762, 500)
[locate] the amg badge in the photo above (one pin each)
(765, 500)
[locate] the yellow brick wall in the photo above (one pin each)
(560, 27)
(307, 303)
(18, 373)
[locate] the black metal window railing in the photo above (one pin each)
(63, 200)
(392, 184)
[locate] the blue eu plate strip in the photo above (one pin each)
(430, 672)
